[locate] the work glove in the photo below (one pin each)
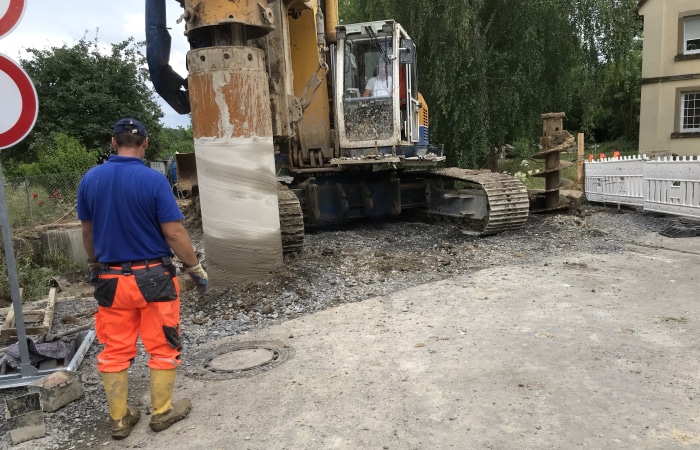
(94, 267)
(199, 276)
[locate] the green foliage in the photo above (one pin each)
(620, 99)
(29, 201)
(349, 11)
(624, 146)
(493, 66)
(524, 148)
(34, 272)
(64, 154)
(526, 169)
(175, 140)
(83, 90)
(56, 161)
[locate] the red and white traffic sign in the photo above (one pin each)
(10, 14)
(20, 105)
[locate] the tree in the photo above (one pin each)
(620, 99)
(83, 90)
(493, 66)
(175, 140)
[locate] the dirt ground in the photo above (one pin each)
(578, 330)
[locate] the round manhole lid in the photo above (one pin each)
(226, 360)
(243, 359)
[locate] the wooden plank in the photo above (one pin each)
(32, 316)
(9, 321)
(48, 315)
(8, 327)
(43, 317)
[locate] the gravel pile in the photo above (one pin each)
(340, 265)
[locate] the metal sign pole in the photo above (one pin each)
(26, 369)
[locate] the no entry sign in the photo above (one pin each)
(20, 104)
(10, 14)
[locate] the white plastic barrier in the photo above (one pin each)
(616, 180)
(673, 187)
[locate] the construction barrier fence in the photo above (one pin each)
(669, 185)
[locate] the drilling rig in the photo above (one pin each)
(288, 134)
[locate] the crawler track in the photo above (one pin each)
(291, 220)
(508, 204)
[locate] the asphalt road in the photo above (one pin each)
(581, 350)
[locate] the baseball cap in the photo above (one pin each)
(128, 125)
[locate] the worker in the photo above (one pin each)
(380, 84)
(616, 154)
(130, 222)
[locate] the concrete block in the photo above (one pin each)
(25, 419)
(67, 240)
(57, 389)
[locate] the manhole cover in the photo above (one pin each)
(235, 360)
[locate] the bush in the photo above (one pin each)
(625, 147)
(34, 271)
(60, 155)
(524, 148)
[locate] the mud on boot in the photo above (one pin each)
(122, 428)
(179, 411)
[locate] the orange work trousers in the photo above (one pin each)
(146, 302)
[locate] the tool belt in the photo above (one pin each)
(128, 267)
(154, 278)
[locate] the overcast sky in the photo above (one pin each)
(51, 23)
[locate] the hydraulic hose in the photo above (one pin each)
(167, 83)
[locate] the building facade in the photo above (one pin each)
(670, 108)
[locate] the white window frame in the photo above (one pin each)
(693, 110)
(691, 31)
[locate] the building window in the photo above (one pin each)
(690, 112)
(691, 35)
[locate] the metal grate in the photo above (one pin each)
(680, 230)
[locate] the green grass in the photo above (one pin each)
(34, 205)
(34, 272)
(525, 167)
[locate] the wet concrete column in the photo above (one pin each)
(232, 127)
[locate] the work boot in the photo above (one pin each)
(165, 412)
(122, 416)
(122, 428)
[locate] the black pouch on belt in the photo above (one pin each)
(155, 283)
(105, 289)
(169, 266)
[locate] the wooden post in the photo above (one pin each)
(579, 162)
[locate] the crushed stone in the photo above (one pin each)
(338, 265)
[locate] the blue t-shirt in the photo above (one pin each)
(126, 201)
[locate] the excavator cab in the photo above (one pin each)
(376, 92)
